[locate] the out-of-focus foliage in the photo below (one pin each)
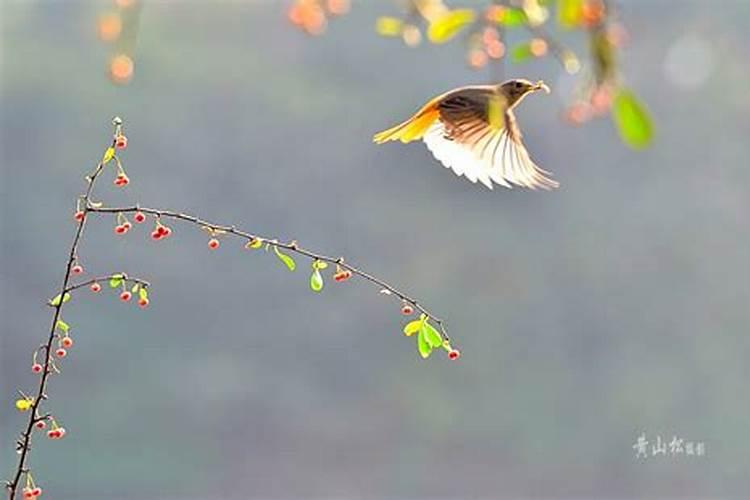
(632, 120)
(484, 31)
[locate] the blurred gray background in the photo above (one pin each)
(614, 306)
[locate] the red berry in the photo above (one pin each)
(342, 275)
(406, 309)
(167, 231)
(121, 142)
(41, 424)
(67, 342)
(53, 434)
(156, 235)
(79, 215)
(121, 180)
(61, 353)
(162, 230)
(139, 217)
(96, 287)
(36, 368)
(125, 296)
(36, 491)
(143, 302)
(213, 243)
(77, 269)
(60, 432)
(28, 493)
(454, 354)
(120, 229)
(127, 225)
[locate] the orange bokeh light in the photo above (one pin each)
(109, 27)
(538, 47)
(121, 68)
(338, 7)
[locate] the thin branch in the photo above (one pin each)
(107, 277)
(25, 441)
(292, 246)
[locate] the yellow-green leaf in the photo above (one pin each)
(143, 294)
(115, 280)
(62, 326)
(412, 327)
(24, 404)
(316, 281)
(569, 13)
(425, 349)
(388, 26)
(449, 24)
(108, 155)
(287, 260)
(632, 120)
(431, 335)
(255, 243)
(56, 299)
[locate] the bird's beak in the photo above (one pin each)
(540, 85)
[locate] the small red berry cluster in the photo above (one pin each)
(341, 274)
(160, 230)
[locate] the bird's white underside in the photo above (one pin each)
(495, 158)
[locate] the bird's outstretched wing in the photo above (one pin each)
(471, 131)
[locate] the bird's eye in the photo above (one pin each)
(519, 85)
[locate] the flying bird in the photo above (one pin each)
(473, 131)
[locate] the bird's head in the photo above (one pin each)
(515, 90)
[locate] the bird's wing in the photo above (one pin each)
(476, 135)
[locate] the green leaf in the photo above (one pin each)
(62, 326)
(287, 260)
(316, 281)
(135, 287)
(319, 264)
(569, 13)
(115, 280)
(521, 53)
(425, 349)
(388, 26)
(143, 294)
(108, 155)
(448, 25)
(632, 120)
(255, 243)
(512, 18)
(413, 327)
(431, 335)
(55, 301)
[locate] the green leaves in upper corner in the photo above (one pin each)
(521, 52)
(388, 26)
(632, 120)
(58, 299)
(287, 260)
(511, 17)
(428, 338)
(449, 25)
(569, 13)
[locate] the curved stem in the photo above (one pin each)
(292, 246)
